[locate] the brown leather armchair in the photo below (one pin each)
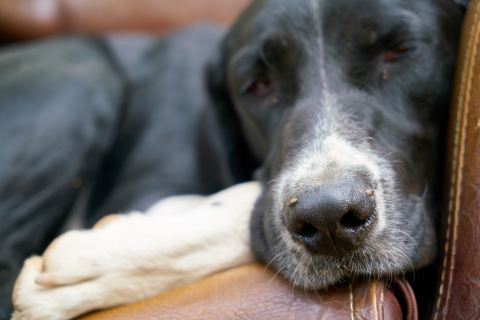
(254, 292)
(458, 288)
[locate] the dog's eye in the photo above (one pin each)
(261, 87)
(397, 53)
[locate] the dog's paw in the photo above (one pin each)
(79, 272)
(32, 301)
(78, 256)
(71, 277)
(71, 258)
(136, 256)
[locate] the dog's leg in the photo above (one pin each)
(58, 109)
(136, 256)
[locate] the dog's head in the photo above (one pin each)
(341, 100)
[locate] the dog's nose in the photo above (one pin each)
(333, 218)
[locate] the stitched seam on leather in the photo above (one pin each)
(375, 302)
(352, 310)
(463, 104)
(382, 302)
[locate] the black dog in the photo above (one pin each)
(340, 102)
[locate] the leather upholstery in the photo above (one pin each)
(458, 295)
(254, 292)
(27, 19)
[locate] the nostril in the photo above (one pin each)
(307, 230)
(351, 221)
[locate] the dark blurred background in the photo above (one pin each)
(22, 20)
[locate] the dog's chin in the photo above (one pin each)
(395, 251)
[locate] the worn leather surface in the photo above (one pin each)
(27, 19)
(254, 292)
(458, 295)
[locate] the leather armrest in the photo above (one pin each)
(28, 19)
(458, 292)
(256, 292)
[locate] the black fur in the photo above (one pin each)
(394, 110)
(113, 125)
(92, 127)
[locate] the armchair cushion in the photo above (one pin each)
(256, 292)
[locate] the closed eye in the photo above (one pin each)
(398, 53)
(261, 87)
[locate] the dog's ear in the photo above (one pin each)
(239, 157)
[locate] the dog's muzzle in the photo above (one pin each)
(333, 218)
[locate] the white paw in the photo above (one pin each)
(136, 256)
(36, 302)
(62, 283)
(82, 271)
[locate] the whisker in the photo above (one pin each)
(388, 154)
